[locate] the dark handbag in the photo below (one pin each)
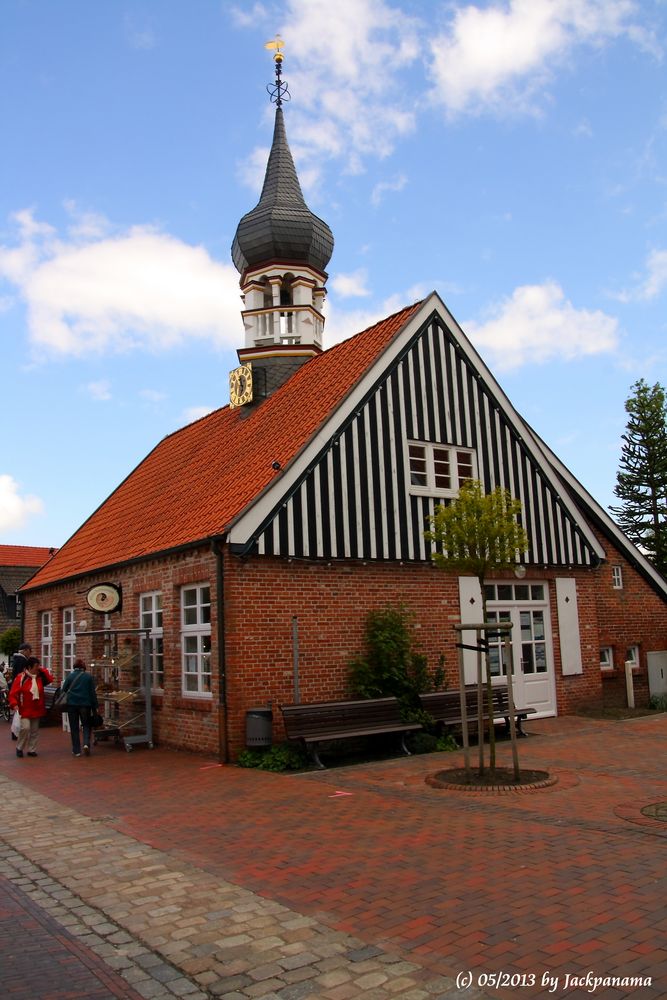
(60, 702)
(96, 719)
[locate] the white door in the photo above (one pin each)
(526, 606)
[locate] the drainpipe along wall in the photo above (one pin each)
(223, 737)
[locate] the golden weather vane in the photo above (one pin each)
(278, 91)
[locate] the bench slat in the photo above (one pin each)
(337, 720)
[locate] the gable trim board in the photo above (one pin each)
(356, 463)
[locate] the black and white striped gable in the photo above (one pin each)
(361, 488)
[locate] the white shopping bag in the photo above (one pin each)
(16, 723)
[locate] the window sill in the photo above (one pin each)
(194, 704)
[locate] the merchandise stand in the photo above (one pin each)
(123, 678)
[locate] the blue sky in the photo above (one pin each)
(510, 154)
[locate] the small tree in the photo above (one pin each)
(641, 482)
(474, 534)
(391, 665)
(10, 640)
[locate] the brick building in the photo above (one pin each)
(251, 544)
(17, 564)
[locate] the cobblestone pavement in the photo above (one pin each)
(177, 877)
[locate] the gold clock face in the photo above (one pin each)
(240, 385)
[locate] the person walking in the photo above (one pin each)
(26, 696)
(20, 659)
(18, 663)
(81, 703)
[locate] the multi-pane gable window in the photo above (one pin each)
(196, 639)
(46, 636)
(151, 618)
(69, 639)
(439, 470)
(617, 577)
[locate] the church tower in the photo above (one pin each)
(281, 250)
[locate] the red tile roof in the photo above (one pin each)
(198, 479)
(30, 556)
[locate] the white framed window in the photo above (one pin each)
(69, 639)
(632, 656)
(617, 577)
(150, 617)
(439, 470)
(606, 658)
(196, 639)
(46, 638)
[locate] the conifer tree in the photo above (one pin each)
(641, 481)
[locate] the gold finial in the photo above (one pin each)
(278, 91)
(277, 44)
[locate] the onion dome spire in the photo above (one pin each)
(281, 227)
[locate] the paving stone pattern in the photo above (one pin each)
(360, 881)
(167, 929)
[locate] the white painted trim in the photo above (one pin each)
(568, 626)
(249, 520)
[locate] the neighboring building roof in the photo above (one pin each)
(25, 556)
(197, 480)
(281, 226)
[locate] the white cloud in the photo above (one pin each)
(345, 66)
(99, 390)
(656, 279)
(500, 57)
(382, 187)
(196, 413)
(135, 289)
(353, 285)
(652, 285)
(343, 324)
(537, 324)
(250, 17)
(152, 395)
(251, 171)
(138, 34)
(15, 508)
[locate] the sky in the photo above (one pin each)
(510, 154)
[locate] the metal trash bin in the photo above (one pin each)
(259, 727)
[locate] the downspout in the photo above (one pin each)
(223, 740)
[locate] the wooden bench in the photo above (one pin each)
(339, 720)
(445, 707)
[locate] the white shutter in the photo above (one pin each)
(568, 626)
(470, 597)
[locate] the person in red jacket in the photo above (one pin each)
(27, 695)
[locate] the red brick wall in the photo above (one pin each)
(632, 616)
(331, 602)
(189, 723)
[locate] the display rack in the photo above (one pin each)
(122, 675)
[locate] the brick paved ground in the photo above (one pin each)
(365, 881)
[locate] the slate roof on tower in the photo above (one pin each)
(281, 226)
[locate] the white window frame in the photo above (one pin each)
(69, 639)
(150, 617)
(632, 656)
(606, 658)
(617, 577)
(431, 452)
(46, 638)
(196, 641)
